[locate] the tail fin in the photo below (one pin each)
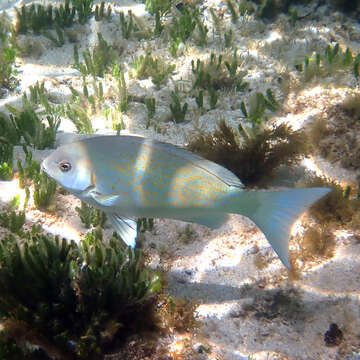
(275, 211)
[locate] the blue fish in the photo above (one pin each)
(130, 176)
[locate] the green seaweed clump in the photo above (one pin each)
(218, 72)
(97, 62)
(73, 301)
(156, 68)
(44, 191)
(253, 158)
(14, 221)
(7, 56)
(90, 216)
(29, 125)
(178, 112)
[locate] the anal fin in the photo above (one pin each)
(125, 227)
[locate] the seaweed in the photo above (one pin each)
(335, 207)
(31, 128)
(57, 41)
(218, 72)
(64, 15)
(83, 9)
(182, 28)
(127, 26)
(6, 171)
(74, 301)
(158, 8)
(29, 171)
(154, 67)
(6, 153)
(333, 59)
(202, 31)
(14, 221)
(150, 107)
(259, 103)
(90, 216)
(228, 37)
(178, 112)
(7, 56)
(123, 96)
(252, 157)
(97, 62)
(44, 191)
(100, 12)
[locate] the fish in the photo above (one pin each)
(130, 176)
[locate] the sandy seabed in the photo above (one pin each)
(237, 307)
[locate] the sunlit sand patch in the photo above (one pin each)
(10, 189)
(65, 230)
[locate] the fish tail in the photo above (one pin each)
(275, 211)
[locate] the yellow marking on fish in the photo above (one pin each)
(92, 179)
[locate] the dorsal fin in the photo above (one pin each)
(217, 170)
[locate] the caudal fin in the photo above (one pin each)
(275, 211)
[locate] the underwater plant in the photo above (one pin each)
(12, 220)
(90, 216)
(158, 8)
(83, 9)
(258, 104)
(8, 138)
(150, 107)
(97, 62)
(29, 126)
(154, 67)
(178, 112)
(338, 207)
(6, 171)
(44, 191)
(127, 26)
(73, 301)
(218, 72)
(57, 41)
(35, 17)
(182, 28)
(333, 59)
(100, 12)
(252, 157)
(123, 97)
(28, 172)
(7, 56)
(228, 37)
(64, 15)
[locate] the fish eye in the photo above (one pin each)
(64, 166)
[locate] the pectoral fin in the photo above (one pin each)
(105, 200)
(125, 227)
